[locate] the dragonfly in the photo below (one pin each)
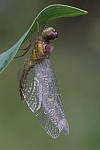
(38, 86)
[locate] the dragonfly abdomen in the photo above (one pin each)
(22, 85)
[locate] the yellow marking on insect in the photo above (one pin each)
(33, 55)
(40, 49)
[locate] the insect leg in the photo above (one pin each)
(26, 50)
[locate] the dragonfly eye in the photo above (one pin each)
(49, 34)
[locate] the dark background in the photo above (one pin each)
(76, 61)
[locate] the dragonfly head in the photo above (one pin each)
(49, 34)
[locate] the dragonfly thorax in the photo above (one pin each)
(42, 50)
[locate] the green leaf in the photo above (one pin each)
(48, 13)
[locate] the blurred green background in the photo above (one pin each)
(76, 61)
